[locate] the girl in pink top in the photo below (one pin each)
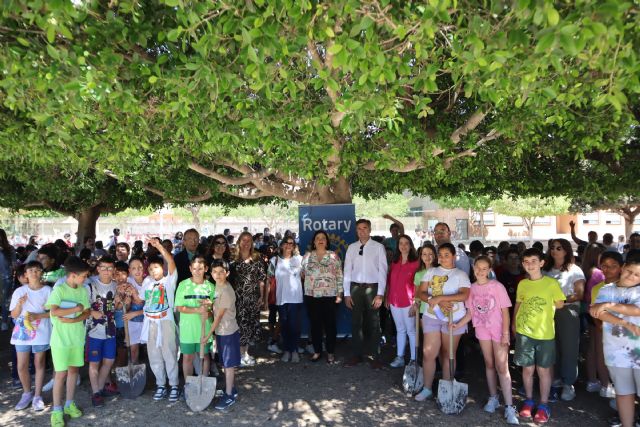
(400, 297)
(488, 308)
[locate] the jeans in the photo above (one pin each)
(322, 317)
(290, 325)
(365, 321)
(567, 343)
(406, 326)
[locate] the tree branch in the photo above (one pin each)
(473, 122)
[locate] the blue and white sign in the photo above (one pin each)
(339, 221)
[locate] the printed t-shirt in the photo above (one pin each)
(190, 294)
(66, 335)
(535, 315)
(158, 296)
(486, 303)
(40, 331)
(226, 299)
(101, 297)
(445, 281)
(621, 347)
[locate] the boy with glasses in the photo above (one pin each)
(102, 331)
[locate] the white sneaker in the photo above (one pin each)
(285, 356)
(511, 414)
(424, 394)
(594, 386)
(398, 362)
(568, 393)
(273, 348)
(609, 392)
(295, 357)
(247, 360)
(49, 386)
(492, 404)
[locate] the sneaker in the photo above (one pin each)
(398, 362)
(49, 386)
(110, 390)
(160, 393)
(594, 387)
(511, 415)
(273, 348)
(174, 394)
(295, 357)
(225, 402)
(527, 408)
(554, 395)
(424, 394)
(247, 360)
(97, 400)
(492, 404)
(609, 392)
(25, 400)
(568, 393)
(37, 404)
(542, 414)
(234, 392)
(72, 410)
(285, 356)
(57, 419)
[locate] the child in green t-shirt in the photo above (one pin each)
(537, 299)
(69, 307)
(194, 299)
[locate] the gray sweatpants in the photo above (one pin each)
(567, 321)
(163, 360)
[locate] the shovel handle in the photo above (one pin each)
(202, 327)
(452, 369)
(126, 331)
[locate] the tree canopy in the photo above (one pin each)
(317, 101)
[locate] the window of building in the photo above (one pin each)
(612, 218)
(591, 218)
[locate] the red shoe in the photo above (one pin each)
(542, 414)
(527, 408)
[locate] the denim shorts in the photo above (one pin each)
(99, 349)
(38, 348)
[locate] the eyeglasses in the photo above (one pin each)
(361, 249)
(105, 268)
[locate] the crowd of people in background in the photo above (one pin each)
(62, 300)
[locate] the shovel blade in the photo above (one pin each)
(452, 396)
(412, 380)
(199, 392)
(131, 380)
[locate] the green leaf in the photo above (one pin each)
(251, 52)
(329, 32)
(153, 79)
(51, 33)
(53, 52)
(23, 42)
(335, 48)
(553, 17)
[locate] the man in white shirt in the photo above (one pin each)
(365, 278)
(442, 234)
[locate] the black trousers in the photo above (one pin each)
(322, 317)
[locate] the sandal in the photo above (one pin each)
(316, 357)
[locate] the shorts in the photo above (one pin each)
(533, 352)
(135, 332)
(63, 357)
(429, 324)
(485, 334)
(120, 338)
(26, 348)
(625, 380)
(194, 348)
(229, 349)
(99, 349)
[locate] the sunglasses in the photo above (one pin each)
(361, 249)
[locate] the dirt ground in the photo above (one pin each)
(274, 393)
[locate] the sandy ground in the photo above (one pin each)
(274, 393)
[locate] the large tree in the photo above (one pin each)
(316, 101)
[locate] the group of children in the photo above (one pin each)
(616, 305)
(82, 318)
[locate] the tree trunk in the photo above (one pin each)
(87, 220)
(195, 213)
(629, 214)
(339, 191)
(528, 222)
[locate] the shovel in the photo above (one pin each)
(412, 380)
(131, 379)
(199, 391)
(452, 395)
